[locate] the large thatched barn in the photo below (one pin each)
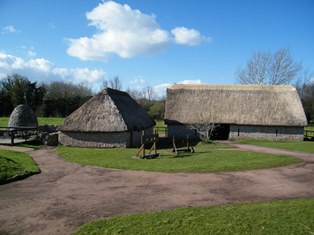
(110, 119)
(242, 111)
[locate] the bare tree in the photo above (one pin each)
(270, 69)
(205, 127)
(303, 81)
(114, 83)
(148, 93)
(135, 94)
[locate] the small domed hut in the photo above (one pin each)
(23, 116)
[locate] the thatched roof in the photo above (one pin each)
(109, 111)
(22, 116)
(234, 104)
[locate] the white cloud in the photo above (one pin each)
(190, 37)
(9, 29)
(30, 51)
(162, 88)
(43, 70)
(126, 32)
(198, 81)
(139, 80)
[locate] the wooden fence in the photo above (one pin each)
(17, 132)
(309, 135)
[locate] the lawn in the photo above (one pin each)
(277, 217)
(4, 121)
(160, 123)
(303, 146)
(15, 165)
(41, 121)
(310, 126)
(206, 159)
(50, 120)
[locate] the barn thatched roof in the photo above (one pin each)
(234, 104)
(109, 111)
(22, 116)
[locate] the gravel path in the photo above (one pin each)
(66, 195)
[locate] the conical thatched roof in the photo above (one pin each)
(109, 111)
(234, 104)
(23, 116)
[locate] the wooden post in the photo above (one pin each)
(143, 143)
(12, 138)
(174, 150)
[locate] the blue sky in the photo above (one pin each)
(148, 43)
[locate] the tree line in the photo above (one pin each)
(59, 98)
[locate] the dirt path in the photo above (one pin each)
(66, 195)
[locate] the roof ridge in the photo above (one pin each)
(232, 87)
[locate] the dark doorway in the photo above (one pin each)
(221, 132)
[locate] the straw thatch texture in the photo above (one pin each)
(23, 116)
(234, 104)
(108, 111)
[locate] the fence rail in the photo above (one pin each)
(23, 132)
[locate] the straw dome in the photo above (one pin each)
(23, 116)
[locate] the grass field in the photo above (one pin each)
(310, 126)
(41, 121)
(305, 146)
(160, 123)
(4, 121)
(206, 159)
(277, 217)
(14, 165)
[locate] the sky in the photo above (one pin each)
(148, 42)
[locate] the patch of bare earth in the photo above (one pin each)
(66, 195)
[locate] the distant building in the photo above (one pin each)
(109, 119)
(242, 111)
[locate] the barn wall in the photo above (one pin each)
(266, 132)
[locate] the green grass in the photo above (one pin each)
(15, 165)
(160, 123)
(4, 121)
(305, 146)
(310, 126)
(49, 121)
(204, 160)
(277, 217)
(41, 121)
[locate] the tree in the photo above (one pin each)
(270, 69)
(308, 101)
(157, 109)
(61, 89)
(21, 90)
(114, 83)
(64, 97)
(205, 127)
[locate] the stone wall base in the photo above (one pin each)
(102, 140)
(266, 132)
(246, 132)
